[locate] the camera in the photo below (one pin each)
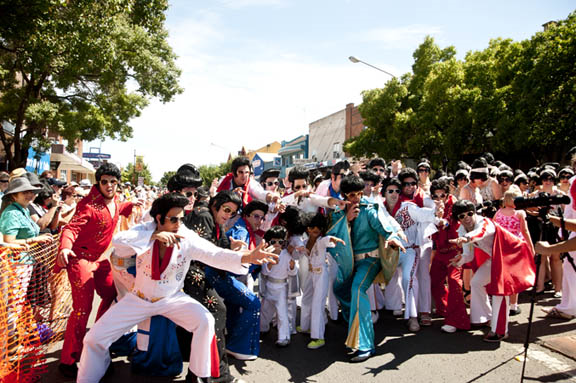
(542, 200)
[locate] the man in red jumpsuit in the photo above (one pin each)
(82, 244)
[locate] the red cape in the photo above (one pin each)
(513, 269)
(226, 184)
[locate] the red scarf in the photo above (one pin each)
(227, 184)
(157, 268)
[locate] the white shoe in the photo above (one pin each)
(448, 329)
(239, 356)
(397, 313)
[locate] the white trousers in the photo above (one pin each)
(180, 308)
(424, 281)
(275, 302)
(480, 308)
(404, 285)
(375, 296)
(568, 303)
(313, 313)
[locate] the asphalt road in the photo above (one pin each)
(427, 356)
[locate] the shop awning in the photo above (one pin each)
(70, 161)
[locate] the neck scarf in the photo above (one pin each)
(157, 268)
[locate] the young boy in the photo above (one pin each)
(275, 278)
(315, 291)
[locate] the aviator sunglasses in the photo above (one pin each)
(281, 242)
(463, 215)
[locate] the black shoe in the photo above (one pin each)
(515, 311)
(192, 378)
(68, 370)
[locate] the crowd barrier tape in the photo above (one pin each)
(34, 309)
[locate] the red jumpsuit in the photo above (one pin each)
(88, 234)
(449, 301)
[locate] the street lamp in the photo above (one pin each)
(355, 60)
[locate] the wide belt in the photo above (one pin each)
(141, 295)
(370, 254)
(276, 280)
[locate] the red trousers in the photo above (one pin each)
(85, 278)
(449, 300)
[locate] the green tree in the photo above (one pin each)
(209, 172)
(82, 69)
(165, 177)
(129, 174)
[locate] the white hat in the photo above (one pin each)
(85, 183)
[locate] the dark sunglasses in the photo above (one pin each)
(436, 196)
(190, 194)
(106, 182)
(227, 210)
(563, 177)
(463, 215)
(77, 196)
(276, 183)
(281, 242)
(547, 179)
(257, 216)
(299, 187)
(392, 191)
(4, 181)
(175, 220)
(505, 179)
(414, 183)
(423, 170)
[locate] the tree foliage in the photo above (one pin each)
(165, 177)
(82, 69)
(129, 174)
(512, 97)
(209, 172)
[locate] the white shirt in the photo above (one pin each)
(319, 254)
(416, 222)
(481, 236)
(192, 247)
(308, 204)
(280, 270)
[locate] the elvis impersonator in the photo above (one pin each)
(505, 266)
(164, 249)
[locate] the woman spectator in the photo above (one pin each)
(564, 176)
(461, 178)
(45, 210)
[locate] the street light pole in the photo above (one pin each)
(355, 60)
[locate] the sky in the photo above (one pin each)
(258, 71)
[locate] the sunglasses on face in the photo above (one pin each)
(78, 196)
(106, 182)
(392, 191)
(4, 181)
(505, 179)
(463, 215)
(561, 177)
(423, 171)
(281, 242)
(257, 217)
(547, 179)
(438, 196)
(275, 183)
(190, 194)
(413, 183)
(298, 187)
(175, 220)
(354, 194)
(229, 211)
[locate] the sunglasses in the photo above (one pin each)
(275, 183)
(392, 191)
(190, 194)
(229, 211)
(354, 194)
(423, 171)
(281, 242)
(413, 183)
(463, 215)
(175, 220)
(4, 181)
(106, 182)
(298, 187)
(561, 177)
(257, 216)
(547, 179)
(438, 196)
(77, 196)
(505, 179)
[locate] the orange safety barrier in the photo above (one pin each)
(35, 305)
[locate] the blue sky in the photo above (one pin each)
(256, 71)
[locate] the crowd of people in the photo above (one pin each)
(204, 270)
